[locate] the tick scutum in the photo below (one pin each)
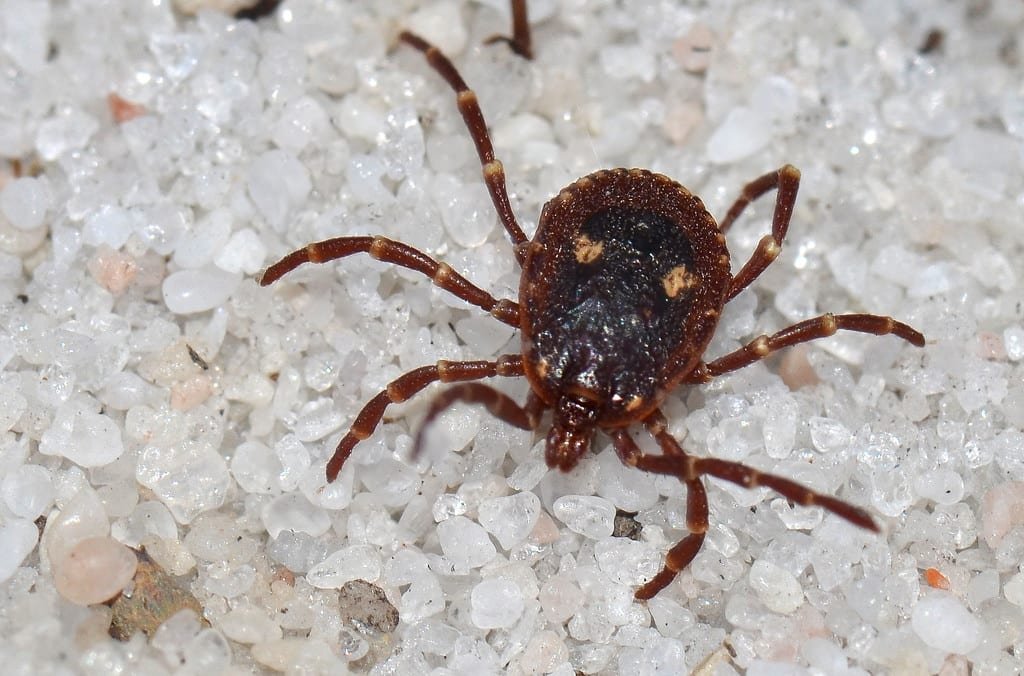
(613, 303)
(624, 263)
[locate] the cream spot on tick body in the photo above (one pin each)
(588, 251)
(634, 403)
(543, 367)
(678, 279)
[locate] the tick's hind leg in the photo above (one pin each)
(675, 463)
(408, 384)
(390, 251)
(683, 553)
(787, 180)
(748, 477)
(802, 332)
(494, 173)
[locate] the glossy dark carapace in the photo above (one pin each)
(621, 289)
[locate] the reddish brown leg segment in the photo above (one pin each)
(408, 384)
(390, 251)
(674, 461)
(802, 332)
(499, 404)
(787, 180)
(686, 550)
(680, 556)
(494, 173)
(748, 477)
(520, 42)
(675, 464)
(535, 408)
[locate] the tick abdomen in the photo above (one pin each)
(619, 279)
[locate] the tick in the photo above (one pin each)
(622, 287)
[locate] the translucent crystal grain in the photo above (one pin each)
(199, 290)
(18, 537)
(777, 589)
(465, 543)
(496, 603)
(355, 562)
(293, 512)
(94, 571)
(942, 622)
(189, 478)
(25, 202)
(626, 561)
(588, 515)
(510, 519)
(28, 491)
(82, 435)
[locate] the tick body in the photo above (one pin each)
(622, 287)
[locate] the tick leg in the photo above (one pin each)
(408, 384)
(535, 407)
(494, 173)
(683, 553)
(499, 404)
(674, 462)
(748, 477)
(802, 332)
(390, 251)
(787, 180)
(520, 41)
